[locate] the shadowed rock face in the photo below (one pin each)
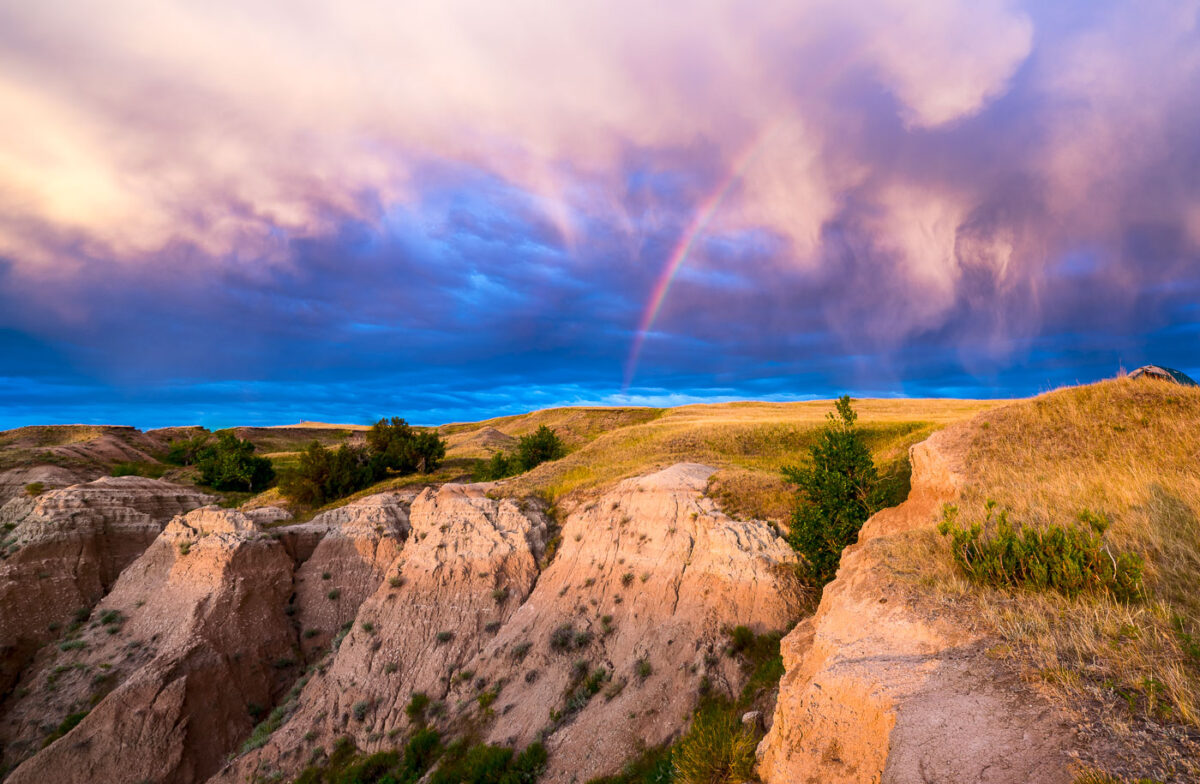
(66, 548)
(192, 636)
(876, 691)
(650, 572)
(360, 541)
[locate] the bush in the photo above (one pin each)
(396, 446)
(718, 749)
(323, 475)
(67, 724)
(498, 467)
(562, 637)
(34, 489)
(486, 764)
(346, 766)
(416, 707)
(187, 451)
(1068, 558)
(841, 490)
(539, 447)
(532, 450)
(230, 464)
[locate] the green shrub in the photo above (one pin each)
(416, 707)
(486, 764)
(1070, 558)
(539, 447)
(67, 724)
(346, 766)
(562, 637)
(187, 451)
(532, 450)
(360, 709)
(717, 749)
(323, 475)
(230, 464)
(498, 466)
(841, 490)
(396, 446)
(34, 489)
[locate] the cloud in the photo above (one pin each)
(332, 193)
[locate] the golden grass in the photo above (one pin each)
(1129, 449)
(576, 426)
(747, 442)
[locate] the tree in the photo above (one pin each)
(230, 464)
(498, 467)
(538, 447)
(840, 491)
(323, 475)
(399, 447)
(186, 451)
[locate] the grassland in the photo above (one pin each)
(747, 442)
(1129, 450)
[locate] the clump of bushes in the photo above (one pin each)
(34, 489)
(324, 475)
(1069, 559)
(230, 464)
(487, 764)
(840, 488)
(532, 450)
(345, 766)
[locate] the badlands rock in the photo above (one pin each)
(192, 641)
(349, 564)
(65, 549)
(643, 584)
(876, 690)
(648, 579)
(414, 633)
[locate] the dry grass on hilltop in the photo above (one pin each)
(1127, 449)
(747, 442)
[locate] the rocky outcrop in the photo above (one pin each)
(416, 631)
(64, 549)
(190, 645)
(878, 689)
(361, 541)
(637, 595)
(647, 581)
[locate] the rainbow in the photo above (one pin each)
(680, 253)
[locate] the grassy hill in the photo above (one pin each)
(1129, 450)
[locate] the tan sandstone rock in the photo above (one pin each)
(415, 635)
(647, 577)
(878, 691)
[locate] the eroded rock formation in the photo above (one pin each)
(879, 690)
(64, 549)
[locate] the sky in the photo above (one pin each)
(248, 212)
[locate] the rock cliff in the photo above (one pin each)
(881, 689)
